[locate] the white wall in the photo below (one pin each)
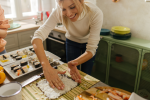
(134, 14)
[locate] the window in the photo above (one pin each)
(20, 9)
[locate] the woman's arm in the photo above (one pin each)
(50, 73)
(83, 58)
(3, 33)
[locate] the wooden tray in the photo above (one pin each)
(100, 96)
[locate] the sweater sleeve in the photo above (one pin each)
(43, 32)
(95, 28)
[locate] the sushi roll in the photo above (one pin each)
(30, 53)
(18, 72)
(13, 66)
(33, 61)
(30, 49)
(29, 59)
(5, 56)
(18, 58)
(1, 57)
(23, 63)
(20, 53)
(14, 56)
(16, 68)
(24, 69)
(37, 64)
(25, 51)
(11, 54)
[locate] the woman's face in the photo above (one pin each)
(70, 10)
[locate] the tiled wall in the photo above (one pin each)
(134, 14)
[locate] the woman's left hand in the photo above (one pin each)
(74, 71)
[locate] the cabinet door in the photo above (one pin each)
(12, 49)
(144, 75)
(23, 46)
(25, 37)
(124, 66)
(100, 63)
(12, 41)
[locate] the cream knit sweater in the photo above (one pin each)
(85, 30)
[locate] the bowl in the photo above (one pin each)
(120, 37)
(105, 32)
(11, 91)
(10, 21)
(120, 32)
(120, 28)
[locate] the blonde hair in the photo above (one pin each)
(64, 19)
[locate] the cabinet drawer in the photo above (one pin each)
(25, 37)
(12, 41)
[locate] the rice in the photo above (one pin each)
(55, 93)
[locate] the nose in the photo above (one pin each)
(69, 13)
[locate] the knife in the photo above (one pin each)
(30, 80)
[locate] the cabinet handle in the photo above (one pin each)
(31, 36)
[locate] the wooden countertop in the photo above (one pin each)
(30, 25)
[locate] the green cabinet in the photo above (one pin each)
(100, 65)
(128, 73)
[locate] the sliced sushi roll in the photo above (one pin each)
(33, 61)
(16, 68)
(20, 53)
(14, 55)
(11, 54)
(24, 69)
(25, 51)
(13, 66)
(29, 59)
(30, 53)
(37, 64)
(23, 63)
(30, 49)
(5, 56)
(18, 72)
(18, 58)
(1, 57)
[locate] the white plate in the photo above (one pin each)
(11, 60)
(7, 68)
(51, 55)
(12, 74)
(8, 62)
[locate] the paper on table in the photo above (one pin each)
(134, 96)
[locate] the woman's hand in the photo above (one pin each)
(51, 76)
(74, 71)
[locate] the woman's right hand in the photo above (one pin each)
(52, 77)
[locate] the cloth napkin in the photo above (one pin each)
(134, 96)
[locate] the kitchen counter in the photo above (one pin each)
(30, 25)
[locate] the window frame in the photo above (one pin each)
(17, 14)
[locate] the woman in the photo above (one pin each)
(3, 31)
(83, 22)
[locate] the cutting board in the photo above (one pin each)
(100, 96)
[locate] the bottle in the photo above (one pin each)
(44, 16)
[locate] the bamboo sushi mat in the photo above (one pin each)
(32, 92)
